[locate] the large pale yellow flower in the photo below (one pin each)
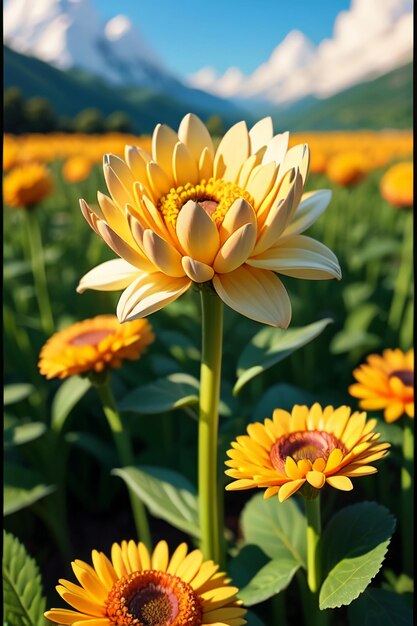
(307, 447)
(136, 588)
(27, 185)
(94, 345)
(188, 213)
(386, 382)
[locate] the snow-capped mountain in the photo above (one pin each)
(370, 39)
(70, 33)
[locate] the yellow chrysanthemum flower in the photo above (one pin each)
(397, 185)
(136, 588)
(347, 168)
(190, 214)
(93, 345)
(309, 447)
(76, 169)
(27, 185)
(386, 382)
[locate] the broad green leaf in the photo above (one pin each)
(374, 249)
(165, 394)
(347, 340)
(17, 392)
(272, 345)
(400, 584)
(22, 487)
(278, 528)
(270, 580)
(356, 293)
(382, 607)
(246, 564)
(354, 545)
(18, 434)
(166, 493)
(68, 395)
(23, 602)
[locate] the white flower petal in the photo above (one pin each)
(149, 293)
(308, 211)
(300, 257)
(231, 153)
(118, 190)
(297, 156)
(276, 149)
(195, 135)
(260, 134)
(184, 167)
(164, 140)
(196, 271)
(235, 250)
(109, 276)
(255, 293)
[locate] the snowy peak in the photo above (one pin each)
(70, 33)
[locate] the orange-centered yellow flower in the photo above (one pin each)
(397, 185)
(347, 168)
(386, 382)
(305, 447)
(27, 185)
(76, 169)
(93, 345)
(188, 213)
(136, 588)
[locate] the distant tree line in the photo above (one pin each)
(36, 115)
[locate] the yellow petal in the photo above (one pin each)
(205, 164)
(316, 479)
(144, 556)
(164, 140)
(184, 166)
(235, 250)
(276, 149)
(190, 566)
(197, 233)
(195, 135)
(160, 557)
(118, 191)
(340, 482)
(291, 468)
(308, 211)
(115, 218)
(298, 157)
(196, 271)
(121, 170)
(149, 293)
(120, 247)
(232, 151)
(257, 294)
(247, 168)
(133, 556)
(286, 490)
(260, 134)
(239, 214)
(64, 616)
(334, 460)
(109, 276)
(93, 609)
(136, 158)
(261, 182)
(104, 569)
(162, 254)
(159, 181)
(177, 558)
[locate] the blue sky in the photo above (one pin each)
(190, 34)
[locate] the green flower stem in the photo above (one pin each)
(407, 495)
(212, 337)
(404, 276)
(312, 508)
(38, 269)
(125, 453)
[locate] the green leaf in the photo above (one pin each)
(272, 345)
(393, 433)
(278, 528)
(382, 607)
(18, 434)
(166, 493)
(23, 602)
(356, 293)
(354, 545)
(68, 395)
(165, 394)
(103, 452)
(22, 487)
(17, 392)
(347, 340)
(270, 580)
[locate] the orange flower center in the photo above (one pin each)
(215, 195)
(153, 598)
(304, 444)
(90, 337)
(405, 376)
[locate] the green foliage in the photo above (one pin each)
(270, 346)
(166, 493)
(268, 581)
(90, 121)
(119, 122)
(16, 393)
(19, 434)
(23, 603)
(174, 392)
(215, 126)
(354, 544)
(13, 115)
(22, 488)
(68, 395)
(382, 607)
(39, 115)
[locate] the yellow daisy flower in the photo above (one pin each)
(386, 382)
(93, 345)
(136, 588)
(76, 169)
(187, 213)
(309, 447)
(27, 185)
(397, 185)
(347, 168)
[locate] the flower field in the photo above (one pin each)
(209, 401)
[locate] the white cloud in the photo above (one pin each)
(370, 39)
